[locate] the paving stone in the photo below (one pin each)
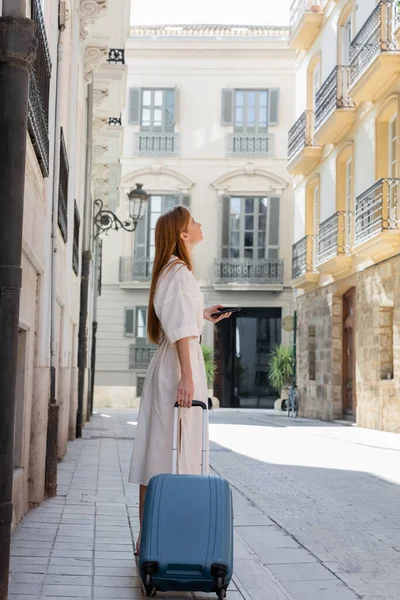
(112, 581)
(319, 590)
(26, 589)
(301, 572)
(36, 578)
(118, 593)
(73, 591)
(66, 580)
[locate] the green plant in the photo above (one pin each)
(281, 367)
(210, 365)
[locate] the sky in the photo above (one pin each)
(219, 12)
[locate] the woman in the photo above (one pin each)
(177, 372)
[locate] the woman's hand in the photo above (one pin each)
(185, 391)
(214, 309)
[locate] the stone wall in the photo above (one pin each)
(378, 346)
(320, 313)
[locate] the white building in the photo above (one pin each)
(206, 124)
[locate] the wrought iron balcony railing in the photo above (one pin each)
(157, 144)
(116, 56)
(378, 210)
(267, 271)
(333, 94)
(140, 355)
(115, 122)
(376, 36)
(63, 189)
(300, 7)
(301, 134)
(334, 237)
(251, 145)
(302, 257)
(39, 89)
(135, 269)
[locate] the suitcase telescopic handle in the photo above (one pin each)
(203, 406)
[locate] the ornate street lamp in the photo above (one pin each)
(105, 219)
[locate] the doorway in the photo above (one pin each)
(349, 356)
(243, 345)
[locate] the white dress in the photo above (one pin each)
(179, 305)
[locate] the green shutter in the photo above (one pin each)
(273, 227)
(273, 105)
(134, 105)
(225, 226)
(129, 322)
(141, 234)
(227, 107)
(169, 109)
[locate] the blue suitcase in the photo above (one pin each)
(187, 531)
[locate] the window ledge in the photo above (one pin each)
(135, 285)
(248, 287)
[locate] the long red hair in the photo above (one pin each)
(168, 242)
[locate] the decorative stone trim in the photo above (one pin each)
(90, 10)
(99, 96)
(94, 56)
(210, 30)
(98, 152)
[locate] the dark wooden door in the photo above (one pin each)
(349, 354)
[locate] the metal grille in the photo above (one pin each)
(63, 189)
(116, 56)
(299, 7)
(135, 269)
(375, 37)
(334, 237)
(39, 89)
(140, 357)
(242, 270)
(115, 122)
(333, 94)
(250, 145)
(157, 144)
(377, 210)
(302, 133)
(302, 253)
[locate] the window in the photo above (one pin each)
(75, 250)
(316, 83)
(250, 111)
(145, 232)
(316, 217)
(349, 203)
(392, 165)
(345, 41)
(63, 189)
(141, 322)
(250, 227)
(129, 322)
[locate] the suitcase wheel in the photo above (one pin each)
(150, 590)
(221, 594)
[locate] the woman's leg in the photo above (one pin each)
(142, 496)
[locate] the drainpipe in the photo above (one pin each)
(17, 50)
(96, 282)
(53, 408)
(86, 258)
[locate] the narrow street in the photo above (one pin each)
(316, 513)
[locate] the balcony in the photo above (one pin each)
(334, 109)
(116, 56)
(135, 269)
(306, 17)
(157, 144)
(374, 54)
(304, 153)
(377, 220)
(303, 274)
(334, 245)
(247, 271)
(250, 145)
(39, 89)
(140, 355)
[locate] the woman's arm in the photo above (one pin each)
(186, 385)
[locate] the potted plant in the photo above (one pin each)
(280, 372)
(211, 368)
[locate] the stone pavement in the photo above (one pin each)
(316, 513)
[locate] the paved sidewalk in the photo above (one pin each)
(293, 538)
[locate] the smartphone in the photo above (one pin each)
(222, 311)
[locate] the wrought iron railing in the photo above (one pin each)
(39, 90)
(115, 122)
(333, 94)
(301, 134)
(140, 356)
(63, 189)
(376, 36)
(250, 144)
(116, 56)
(302, 257)
(300, 7)
(334, 237)
(247, 270)
(135, 269)
(377, 210)
(157, 144)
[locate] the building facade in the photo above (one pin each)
(343, 154)
(205, 125)
(77, 89)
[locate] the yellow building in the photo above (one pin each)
(344, 156)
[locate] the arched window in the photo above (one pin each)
(313, 81)
(345, 195)
(313, 213)
(387, 154)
